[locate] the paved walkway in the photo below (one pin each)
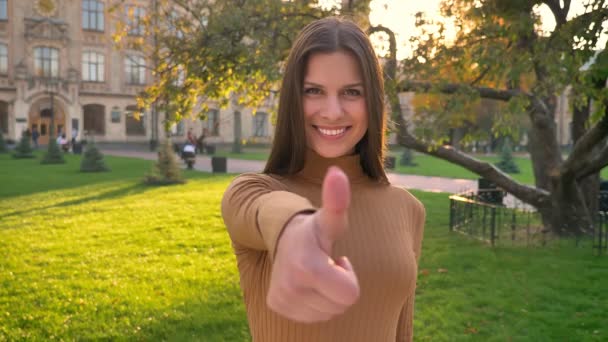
(434, 184)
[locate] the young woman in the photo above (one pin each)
(326, 248)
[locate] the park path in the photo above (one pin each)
(425, 183)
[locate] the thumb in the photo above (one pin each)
(332, 219)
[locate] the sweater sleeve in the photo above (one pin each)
(419, 219)
(256, 208)
(405, 327)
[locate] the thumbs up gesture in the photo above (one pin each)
(307, 285)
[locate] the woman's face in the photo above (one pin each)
(335, 112)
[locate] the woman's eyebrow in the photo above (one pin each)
(359, 84)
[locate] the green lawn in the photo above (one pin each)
(432, 166)
(99, 256)
(248, 153)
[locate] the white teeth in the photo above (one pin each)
(331, 132)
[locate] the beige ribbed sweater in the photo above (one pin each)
(383, 243)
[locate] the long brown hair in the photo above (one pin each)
(326, 36)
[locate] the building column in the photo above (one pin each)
(20, 120)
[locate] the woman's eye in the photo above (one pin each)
(313, 91)
(352, 92)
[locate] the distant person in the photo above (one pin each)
(35, 136)
(191, 139)
(74, 135)
(62, 141)
(189, 154)
(200, 142)
(327, 249)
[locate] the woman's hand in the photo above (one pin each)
(306, 284)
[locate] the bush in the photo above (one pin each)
(506, 163)
(166, 171)
(92, 160)
(407, 158)
(53, 154)
(24, 149)
(3, 148)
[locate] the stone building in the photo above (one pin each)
(58, 63)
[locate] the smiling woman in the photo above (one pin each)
(326, 248)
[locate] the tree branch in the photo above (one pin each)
(480, 76)
(579, 25)
(538, 105)
(558, 13)
(591, 166)
(536, 197)
(584, 146)
(450, 88)
(390, 69)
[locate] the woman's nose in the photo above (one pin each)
(333, 108)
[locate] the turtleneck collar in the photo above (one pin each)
(315, 167)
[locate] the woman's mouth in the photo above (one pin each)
(332, 132)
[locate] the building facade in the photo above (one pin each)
(60, 67)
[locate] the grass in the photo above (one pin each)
(426, 165)
(432, 166)
(100, 256)
(248, 153)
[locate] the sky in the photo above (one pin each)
(398, 15)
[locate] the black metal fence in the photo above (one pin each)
(600, 244)
(489, 216)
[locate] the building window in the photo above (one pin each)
(175, 25)
(115, 115)
(3, 59)
(135, 69)
(46, 61)
(135, 20)
(94, 119)
(92, 66)
(134, 123)
(3, 9)
(177, 129)
(213, 123)
(92, 15)
(180, 76)
(260, 124)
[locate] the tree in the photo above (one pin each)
(218, 51)
(24, 149)
(3, 148)
(506, 163)
(166, 171)
(207, 51)
(92, 160)
(53, 155)
(499, 54)
(407, 158)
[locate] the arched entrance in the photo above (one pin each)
(40, 118)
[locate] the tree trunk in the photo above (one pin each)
(569, 213)
(236, 146)
(543, 147)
